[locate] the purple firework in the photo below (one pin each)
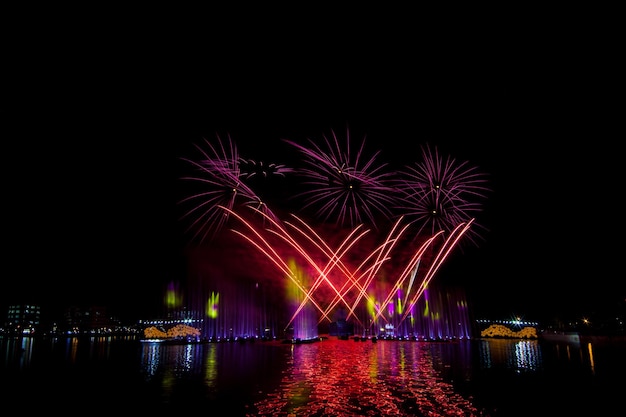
(349, 191)
(440, 194)
(221, 182)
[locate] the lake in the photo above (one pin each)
(329, 377)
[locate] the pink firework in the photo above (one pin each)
(221, 184)
(440, 194)
(344, 187)
(370, 278)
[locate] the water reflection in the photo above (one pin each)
(150, 358)
(578, 354)
(216, 373)
(84, 348)
(18, 351)
(329, 377)
(336, 377)
(590, 351)
(179, 360)
(520, 355)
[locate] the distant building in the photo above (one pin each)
(93, 319)
(23, 319)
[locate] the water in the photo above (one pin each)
(485, 377)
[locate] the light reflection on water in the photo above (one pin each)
(329, 377)
(521, 355)
(337, 377)
(19, 351)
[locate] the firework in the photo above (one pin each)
(221, 184)
(344, 187)
(440, 194)
(370, 278)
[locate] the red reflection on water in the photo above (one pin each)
(344, 377)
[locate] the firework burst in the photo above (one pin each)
(341, 268)
(439, 194)
(344, 187)
(221, 181)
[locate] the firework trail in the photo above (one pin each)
(359, 278)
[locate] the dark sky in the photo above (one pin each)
(92, 145)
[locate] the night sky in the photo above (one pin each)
(91, 157)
